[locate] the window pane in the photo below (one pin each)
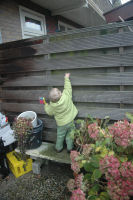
(33, 24)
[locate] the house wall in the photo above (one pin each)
(10, 21)
(125, 11)
(10, 26)
(51, 24)
(105, 5)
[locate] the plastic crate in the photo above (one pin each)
(18, 166)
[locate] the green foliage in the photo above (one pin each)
(97, 174)
(87, 176)
(104, 196)
(89, 167)
(129, 116)
(92, 197)
(95, 161)
(97, 143)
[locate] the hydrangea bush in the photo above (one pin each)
(103, 162)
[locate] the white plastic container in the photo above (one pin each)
(3, 120)
(30, 115)
(7, 135)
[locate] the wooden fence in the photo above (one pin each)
(100, 60)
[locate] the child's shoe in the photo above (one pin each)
(59, 151)
(69, 151)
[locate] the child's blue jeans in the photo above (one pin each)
(64, 133)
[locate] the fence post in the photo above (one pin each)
(122, 68)
(47, 57)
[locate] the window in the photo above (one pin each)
(111, 1)
(64, 27)
(32, 23)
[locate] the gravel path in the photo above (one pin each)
(51, 185)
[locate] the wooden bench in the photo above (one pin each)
(44, 153)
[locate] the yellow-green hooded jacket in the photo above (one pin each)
(64, 110)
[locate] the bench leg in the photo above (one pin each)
(36, 166)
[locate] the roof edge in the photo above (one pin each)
(123, 5)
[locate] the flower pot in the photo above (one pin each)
(35, 138)
(30, 115)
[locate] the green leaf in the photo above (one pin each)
(97, 174)
(120, 149)
(88, 167)
(132, 142)
(130, 157)
(108, 141)
(104, 196)
(96, 188)
(129, 116)
(91, 119)
(106, 121)
(123, 159)
(98, 143)
(78, 121)
(92, 192)
(72, 134)
(87, 177)
(92, 197)
(95, 161)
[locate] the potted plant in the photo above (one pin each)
(22, 128)
(103, 168)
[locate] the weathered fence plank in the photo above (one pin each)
(41, 64)
(84, 111)
(78, 96)
(30, 41)
(122, 78)
(96, 42)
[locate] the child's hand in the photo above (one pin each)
(67, 75)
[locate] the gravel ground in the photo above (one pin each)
(50, 185)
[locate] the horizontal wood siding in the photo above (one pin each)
(100, 60)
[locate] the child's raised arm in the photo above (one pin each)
(67, 85)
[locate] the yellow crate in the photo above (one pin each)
(17, 166)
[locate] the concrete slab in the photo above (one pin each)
(47, 151)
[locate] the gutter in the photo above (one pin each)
(66, 9)
(82, 4)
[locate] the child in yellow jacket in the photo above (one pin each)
(64, 111)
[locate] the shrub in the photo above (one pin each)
(103, 163)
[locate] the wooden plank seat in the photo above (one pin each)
(44, 153)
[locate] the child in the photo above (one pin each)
(64, 111)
